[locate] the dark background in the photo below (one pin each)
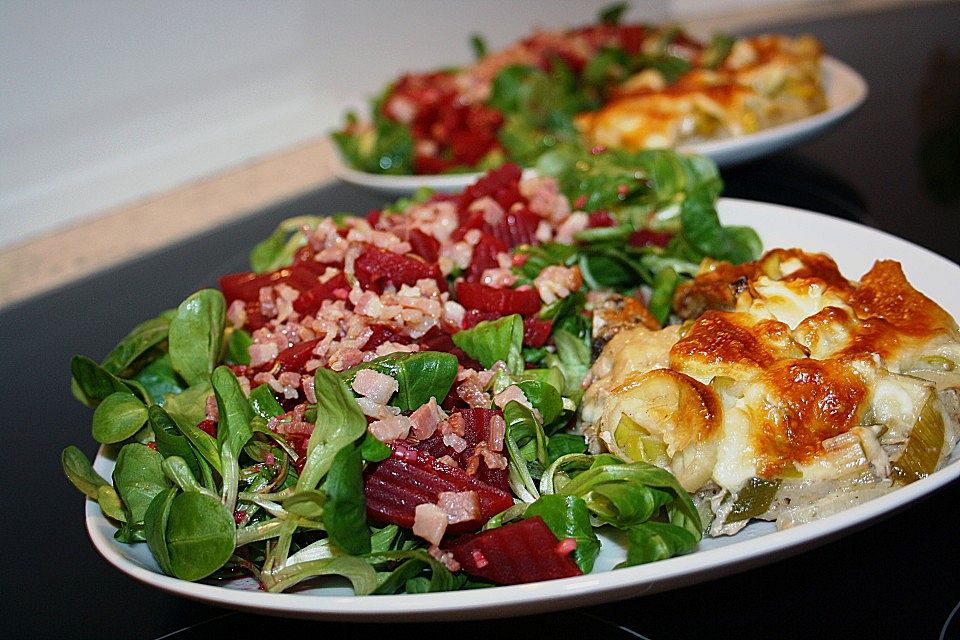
(894, 164)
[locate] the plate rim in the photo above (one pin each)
(732, 556)
(842, 82)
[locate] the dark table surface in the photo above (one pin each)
(895, 164)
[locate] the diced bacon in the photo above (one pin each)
(473, 394)
(377, 386)
(425, 420)
(453, 313)
(513, 392)
(492, 459)
(309, 393)
(237, 314)
(544, 231)
(447, 460)
(498, 429)
(454, 424)
(544, 197)
(267, 306)
(211, 409)
(390, 429)
(261, 354)
(455, 442)
(460, 506)
(444, 557)
(576, 223)
(367, 303)
(395, 347)
(289, 379)
(376, 410)
(556, 282)
(291, 423)
(429, 522)
(498, 278)
(285, 297)
(490, 210)
(345, 358)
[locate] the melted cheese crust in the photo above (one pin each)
(804, 361)
(765, 81)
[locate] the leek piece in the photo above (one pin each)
(922, 453)
(638, 443)
(753, 499)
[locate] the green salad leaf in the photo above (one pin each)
(492, 341)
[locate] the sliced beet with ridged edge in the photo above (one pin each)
(395, 486)
(516, 553)
(476, 429)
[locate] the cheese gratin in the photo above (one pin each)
(788, 392)
(764, 81)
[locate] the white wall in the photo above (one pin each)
(106, 101)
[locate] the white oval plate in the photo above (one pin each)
(853, 246)
(845, 89)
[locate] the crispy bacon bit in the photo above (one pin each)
(444, 557)
(377, 386)
(571, 226)
(390, 428)
(455, 442)
(426, 419)
(212, 411)
(460, 506)
(429, 522)
(498, 429)
(237, 314)
(471, 392)
(291, 423)
(514, 393)
(447, 460)
(556, 282)
(309, 392)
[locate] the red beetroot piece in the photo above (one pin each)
(516, 553)
(484, 256)
(473, 295)
(375, 268)
(476, 429)
(502, 184)
(310, 300)
(293, 358)
(394, 487)
(516, 226)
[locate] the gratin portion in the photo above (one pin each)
(788, 393)
(765, 81)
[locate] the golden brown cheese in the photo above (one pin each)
(815, 400)
(732, 344)
(719, 284)
(885, 293)
(801, 376)
(765, 81)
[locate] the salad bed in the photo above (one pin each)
(606, 84)
(392, 398)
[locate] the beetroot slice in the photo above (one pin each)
(394, 487)
(473, 295)
(375, 268)
(476, 429)
(519, 552)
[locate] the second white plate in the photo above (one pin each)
(845, 89)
